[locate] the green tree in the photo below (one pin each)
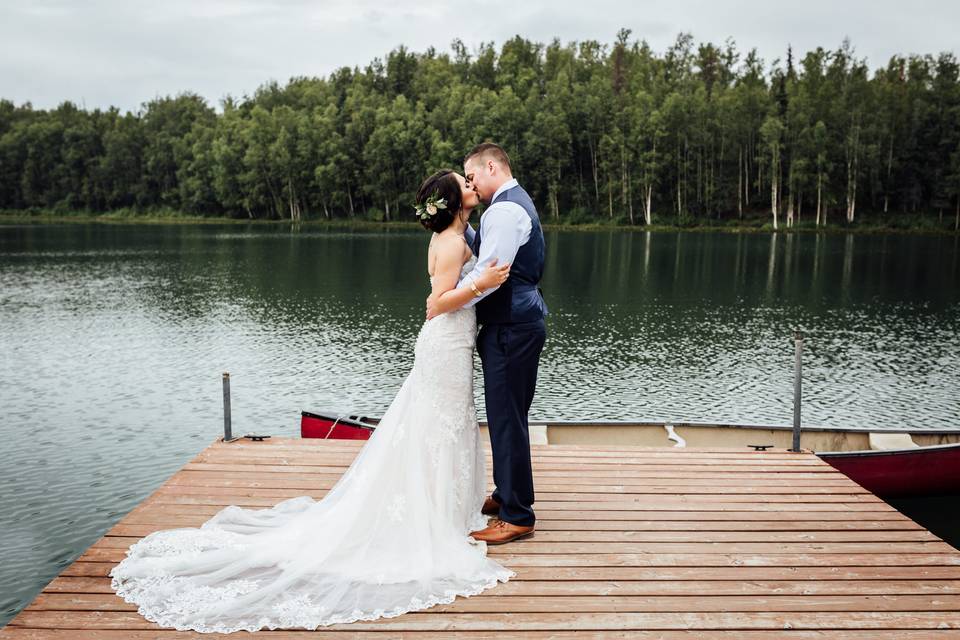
(167, 123)
(602, 131)
(771, 133)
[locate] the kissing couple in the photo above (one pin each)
(405, 527)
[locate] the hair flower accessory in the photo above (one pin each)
(430, 206)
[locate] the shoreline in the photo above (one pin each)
(19, 217)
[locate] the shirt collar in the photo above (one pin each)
(509, 184)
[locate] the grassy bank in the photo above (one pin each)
(920, 224)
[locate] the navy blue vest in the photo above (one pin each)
(519, 298)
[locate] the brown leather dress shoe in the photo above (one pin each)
(490, 507)
(500, 532)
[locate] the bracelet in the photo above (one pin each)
(476, 292)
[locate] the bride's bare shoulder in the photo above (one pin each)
(446, 242)
(445, 253)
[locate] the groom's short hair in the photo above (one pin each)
(489, 150)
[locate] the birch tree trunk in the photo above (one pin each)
(554, 202)
(686, 181)
(719, 177)
(853, 153)
(679, 207)
(610, 198)
(817, 207)
(624, 189)
(886, 194)
(759, 176)
(648, 213)
(773, 199)
(679, 178)
(852, 201)
(819, 194)
(740, 183)
(701, 187)
(775, 181)
(596, 174)
(292, 202)
(290, 211)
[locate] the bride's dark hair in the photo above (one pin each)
(445, 185)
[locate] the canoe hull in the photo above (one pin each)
(900, 473)
(327, 425)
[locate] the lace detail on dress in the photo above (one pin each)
(445, 347)
(390, 537)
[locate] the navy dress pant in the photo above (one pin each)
(510, 354)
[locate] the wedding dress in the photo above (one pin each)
(390, 537)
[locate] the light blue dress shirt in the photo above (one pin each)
(504, 228)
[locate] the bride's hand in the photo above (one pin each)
(493, 276)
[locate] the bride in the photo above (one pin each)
(391, 536)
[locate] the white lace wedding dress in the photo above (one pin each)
(390, 536)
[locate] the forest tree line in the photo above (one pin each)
(595, 132)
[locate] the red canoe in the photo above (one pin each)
(329, 425)
(896, 473)
(332, 425)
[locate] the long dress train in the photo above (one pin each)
(390, 537)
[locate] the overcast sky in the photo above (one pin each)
(100, 53)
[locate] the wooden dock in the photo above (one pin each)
(631, 542)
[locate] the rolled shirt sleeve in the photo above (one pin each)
(504, 228)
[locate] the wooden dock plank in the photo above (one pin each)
(697, 603)
(933, 573)
(553, 534)
(553, 512)
(523, 622)
(632, 542)
(19, 633)
(692, 551)
(690, 587)
(160, 521)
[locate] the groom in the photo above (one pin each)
(512, 334)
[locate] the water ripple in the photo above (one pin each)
(114, 338)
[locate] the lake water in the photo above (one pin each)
(113, 339)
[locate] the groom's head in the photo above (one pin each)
(486, 167)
